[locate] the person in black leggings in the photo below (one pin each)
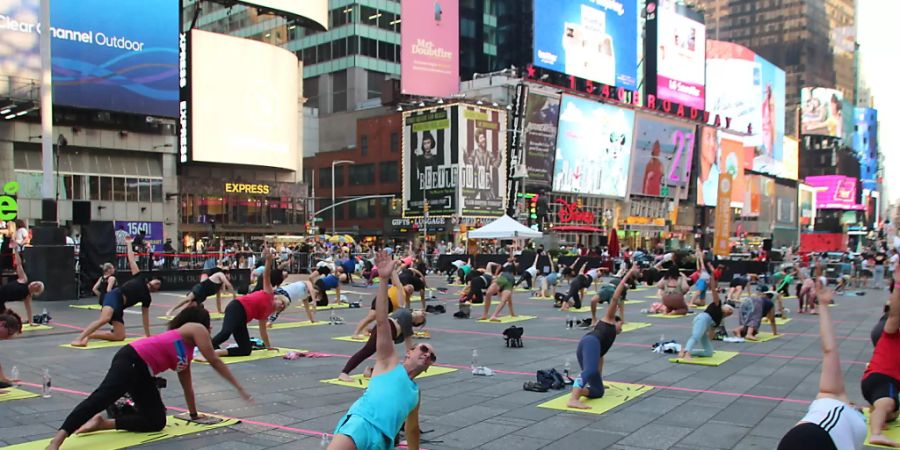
(10, 325)
(20, 290)
(577, 283)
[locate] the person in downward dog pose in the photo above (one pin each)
(392, 396)
(212, 285)
(593, 347)
(881, 380)
(503, 285)
(751, 314)
(831, 422)
(133, 371)
(20, 290)
(705, 323)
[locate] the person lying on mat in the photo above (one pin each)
(705, 324)
(401, 321)
(133, 371)
(392, 396)
(134, 291)
(503, 286)
(672, 289)
(297, 291)
(752, 311)
(10, 325)
(257, 305)
(213, 284)
(396, 295)
(593, 347)
(831, 421)
(881, 380)
(20, 290)
(606, 293)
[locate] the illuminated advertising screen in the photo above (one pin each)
(865, 145)
(680, 54)
(593, 148)
(243, 102)
(791, 159)
(822, 112)
(835, 192)
(663, 152)
(115, 55)
(430, 161)
(720, 152)
(539, 138)
(429, 46)
(592, 39)
(482, 174)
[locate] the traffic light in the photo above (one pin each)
(532, 207)
(425, 206)
(395, 202)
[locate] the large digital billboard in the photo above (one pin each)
(822, 112)
(539, 138)
(592, 39)
(865, 145)
(429, 46)
(116, 55)
(663, 154)
(791, 159)
(720, 152)
(680, 54)
(593, 148)
(482, 138)
(430, 161)
(835, 192)
(243, 102)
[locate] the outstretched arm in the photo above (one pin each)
(20, 269)
(384, 343)
(713, 284)
(132, 262)
(267, 273)
(831, 382)
(615, 303)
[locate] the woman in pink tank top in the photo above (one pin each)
(133, 371)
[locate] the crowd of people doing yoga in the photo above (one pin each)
(392, 399)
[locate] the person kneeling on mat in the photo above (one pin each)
(133, 371)
(214, 284)
(593, 347)
(257, 305)
(10, 325)
(672, 289)
(751, 314)
(705, 323)
(20, 289)
(392, 396)
(881, 380)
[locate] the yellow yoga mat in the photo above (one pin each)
(113, 439)
(583, 309)
(212, 316)
(26, 327)
(780, 321)
(16, 394)
(362, 383)
(541, 298)
(892, 432)
(256, 355)
(718, 358)
(350, 339)
(670, 316)
(508, 319)
(93, 307)
(631, 326)
(616, 394)
(633, 302)
(330, 306)
(764, 337)
(289, 325)
(102, 344)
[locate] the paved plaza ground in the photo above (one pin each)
(747, 403)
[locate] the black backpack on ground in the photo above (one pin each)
(513, 336)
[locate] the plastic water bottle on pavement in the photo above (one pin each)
(45, 388)
(474, 358)
(14, 374)
(566, 368)
(325, 441)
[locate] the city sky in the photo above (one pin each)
(879, 52)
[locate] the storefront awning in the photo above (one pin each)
(579, 228)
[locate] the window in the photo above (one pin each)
(118, 187)
(156, 192)
(144, 194)
(94, 193)
(325, 177)
(364, 145)
(388, 172)
(386, 51)
(363, 209)
(467, 28)
(106, 189)
(340, 48)
(311, 92)
(362, 174)
(131, 189)
(338, 175)
(374, 80)
(368, 47)
(78, 185)
(339, 91)
(324, 52)
(353, 45)
(309, 56)
(395, 142)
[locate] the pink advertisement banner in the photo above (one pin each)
(429, 42)
(835, 192)
(688, 94)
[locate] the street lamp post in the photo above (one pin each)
(333, 164)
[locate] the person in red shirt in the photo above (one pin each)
(881, 380)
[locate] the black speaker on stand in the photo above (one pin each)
(81, 212)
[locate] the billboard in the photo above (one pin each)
(115, 55)
(680, 54)
(786, 205)
(593, 148)
(835, 192)
(721, 238)
(822, 112)
(153, 232)
(790, 159)
(590, 39)
(865, 145)
(539, 138)
(429, 46)
(482, 174)
(663, 153)
(720, 152)
(242, 102)
(430, 161)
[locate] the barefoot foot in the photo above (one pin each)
(345, 378)
(880, 439)
(91, 425)
(79, 343)
(577, 404)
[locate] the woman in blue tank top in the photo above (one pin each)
(392, 396)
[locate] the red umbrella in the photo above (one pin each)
(613, 244)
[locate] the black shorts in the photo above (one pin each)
(390, 305)
(116, 301)
(877, 386)
(412, 280)
(739, 281)
(806, 436)
(199, 293)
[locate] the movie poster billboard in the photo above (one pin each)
(593, 148)
(822, 112)
(539, 138)
(680, 54)
(865, 145)
(482, 141)
(429, 47)
(663, 153)
(720, 152)
(595, 40)
(430, 161)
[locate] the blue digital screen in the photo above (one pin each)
(116, 55)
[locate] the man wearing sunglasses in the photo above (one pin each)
(392, 396)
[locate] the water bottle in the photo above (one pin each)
(325, 441)
(45, 318)
(474, 358)
(331, 319)
(14, 373)
(567, 366)
(45, 388)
